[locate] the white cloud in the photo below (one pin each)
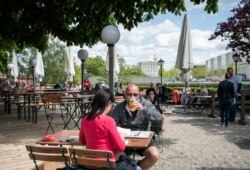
(147, 40)
(161, 40)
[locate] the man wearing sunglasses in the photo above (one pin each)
(137, 113)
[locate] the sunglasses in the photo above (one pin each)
(132, 94)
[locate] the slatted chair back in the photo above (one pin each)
(51, 98)
(92, 158)
(54, 107)
(49, 154)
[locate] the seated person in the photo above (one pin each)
(176, 95)
(166, 93)
(137, 115)
(203, 92)
(119, 89)
(98, 130)
(187, 94)
(152, 97)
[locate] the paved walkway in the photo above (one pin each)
(190, 142)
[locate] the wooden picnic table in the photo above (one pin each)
(63, 135)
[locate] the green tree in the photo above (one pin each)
(200, 72)
(236, 30)
(28, 23)
(173, 73)
(77, 77)
(53, 59)
(5, 58)
(127, 72)
(95, 66)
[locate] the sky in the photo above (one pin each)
(160, 37)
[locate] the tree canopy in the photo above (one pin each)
(236, 30)
(77, 22)
(200, 72)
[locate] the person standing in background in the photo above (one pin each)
(237, 88)
(226, 96)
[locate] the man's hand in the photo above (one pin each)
(138, 105)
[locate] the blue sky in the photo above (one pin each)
(160, 37)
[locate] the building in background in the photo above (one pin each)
(223, 61)
(220, 62)
(150, 68)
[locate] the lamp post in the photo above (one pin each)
(82, 55)
(236, 59)
(160, 63)
(32, 64)
(111, 35)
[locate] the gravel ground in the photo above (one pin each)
(199, 142)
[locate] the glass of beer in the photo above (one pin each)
(131, 105)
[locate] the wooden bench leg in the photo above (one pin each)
(19, 111)
(34, 114)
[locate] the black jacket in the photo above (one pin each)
(142, 120)
(226, 90)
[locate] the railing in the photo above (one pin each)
(213, 105)
(245, 105)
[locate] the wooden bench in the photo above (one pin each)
(245, 105)
(92, 158)
(48, 154)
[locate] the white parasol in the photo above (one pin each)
(69, 66)
(184, 60)
(14, 71)
(39, 69)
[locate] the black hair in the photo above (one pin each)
(229, 68)
(100, 102)
(153, 90)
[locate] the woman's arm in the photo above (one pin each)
(114, 135)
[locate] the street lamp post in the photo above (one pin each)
(161, 62)
(111, 35)
(236, 59)
(82, 55)
(32, 64)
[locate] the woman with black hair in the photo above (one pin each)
(152, 96)
(98, 130)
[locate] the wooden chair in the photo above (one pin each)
(50, 102)
(92, 158)
(158, 136)
(49, 154)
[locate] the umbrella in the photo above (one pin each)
(184, 60)
(39, 69)
(116, 65)
(69, 66)
(14, 71)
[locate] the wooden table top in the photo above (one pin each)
(66, 134)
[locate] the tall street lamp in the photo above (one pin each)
(236, 58)
(111, 35)
(82, 55)
(32, 64)
(160, 63)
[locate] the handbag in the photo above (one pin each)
(125, 163)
